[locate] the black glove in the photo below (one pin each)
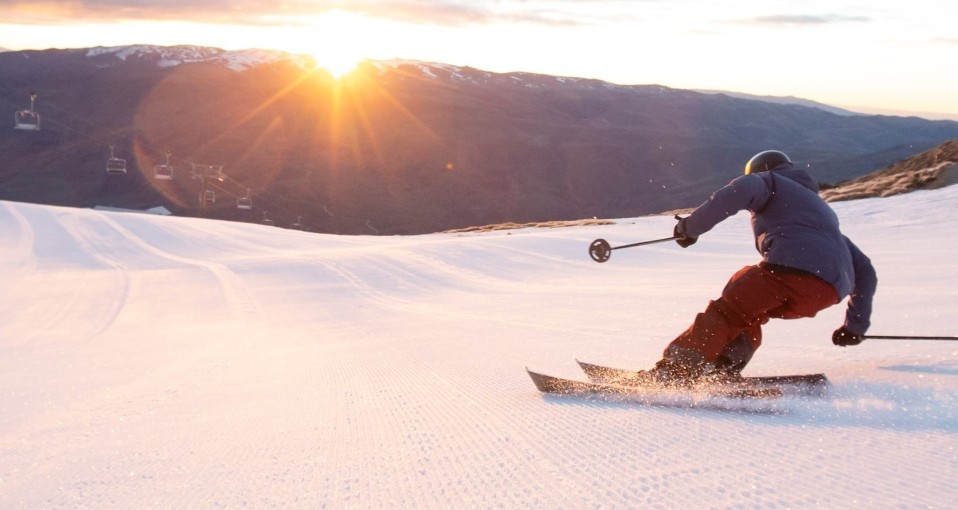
(844, 337)
(679, 232)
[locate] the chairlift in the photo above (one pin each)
(266, 220)
(164, 172)
(115, 165)
(245, 203)
(298, 224)
(27, 120)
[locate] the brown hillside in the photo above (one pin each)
(934, 168)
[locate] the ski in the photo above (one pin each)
(725, 397)
(803, 384)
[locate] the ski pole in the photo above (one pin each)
(600, 250)
(901, 337)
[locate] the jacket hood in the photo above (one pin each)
(798, 175)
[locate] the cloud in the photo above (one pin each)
(434, 12)
(806, 19)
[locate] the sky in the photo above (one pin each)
(874, 56)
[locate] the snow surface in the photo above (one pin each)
(169, 362)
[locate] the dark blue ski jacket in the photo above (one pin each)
(794, 227)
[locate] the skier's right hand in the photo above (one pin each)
(843, 337)
(679, 233)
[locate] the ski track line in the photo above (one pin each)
(353, 281)
(408, 272)
(240, 302)
(88, 242)
(20, 234)
(446, 271)
(558, 260)
(29, 286)
(401, 280)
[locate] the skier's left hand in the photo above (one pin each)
(843, 337)
(679, 233)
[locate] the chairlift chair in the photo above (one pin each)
(163, 172)
(115, 165)
(245, 203)
(298, 224)
(27, 120)
(266, 220)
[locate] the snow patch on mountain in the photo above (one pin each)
(168, 55)
(172, 56)
(247, 59)
(436, 71)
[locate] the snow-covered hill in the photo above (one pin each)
(180, 363)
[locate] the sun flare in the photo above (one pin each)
(339, 64)
(337, 40)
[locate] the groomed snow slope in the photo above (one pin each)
(156, 362)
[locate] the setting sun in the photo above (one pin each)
(337, 41)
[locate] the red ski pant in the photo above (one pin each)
(751, 297)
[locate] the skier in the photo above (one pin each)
(807, 265)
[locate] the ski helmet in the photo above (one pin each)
(765, 160)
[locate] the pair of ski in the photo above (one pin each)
(619, 385)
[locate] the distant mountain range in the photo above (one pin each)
(784, 100)
(398, 147)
